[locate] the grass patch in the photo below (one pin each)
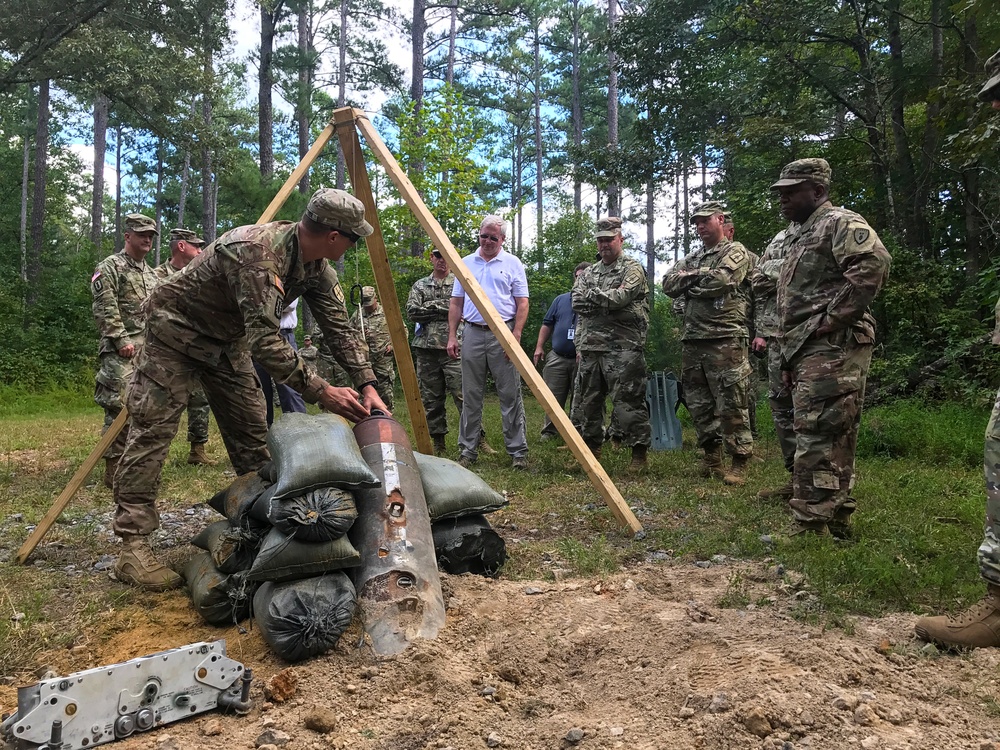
(919, 521)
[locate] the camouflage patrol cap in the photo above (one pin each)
(140, 224)
(186, 235)
(708, 208)
(727, 218)
(338, 209)
(609, 226)
(367, 295)
(991, 89)
(797, 172)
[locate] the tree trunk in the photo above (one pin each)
(539, 176)
(906, 225)
(34, 265)
(185, 175)
(651, 240)
(25, 172)
(304, 104)
(207, 188)
(576, 110)
(265, 82)
(342, 87)
(921, 194)
(686, 212)
(119, 240)
(970, 172)
(418, 32)
(159, 197)
(677, 218)
(100, 150)
(450, 74)
(614, 190)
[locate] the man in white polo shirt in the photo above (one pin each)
(501, 275)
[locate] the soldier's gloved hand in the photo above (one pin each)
(372, 401)
(127, 351)
(343, 401)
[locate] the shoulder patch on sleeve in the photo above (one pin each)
(96, 276)
(861, 235)
(738, 255)
(281, 287)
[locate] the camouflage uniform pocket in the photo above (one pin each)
(736, 375)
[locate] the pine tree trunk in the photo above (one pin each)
(970, 172)
(928, 152)
(100, 150)
(304, 105)
(651, 239)
(119, 240)
(34, 265)
(686, 213)
(614, 190)
(159, 199)
(450, 74)
(904, 161)
(265, 82)
(25, 173)
(576, 110)
(185, 175)
(418, 32)
(342, 88)
(207, 185)
(539, 176)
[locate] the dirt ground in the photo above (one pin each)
(645, 659)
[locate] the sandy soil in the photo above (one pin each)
(645, 659)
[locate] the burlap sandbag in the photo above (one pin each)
(233, 548)
(220, 599)
(453, 491)
(304, 618)
(284, 558)
(468, 545)
(318, 516)
(235, 501)
(313, 451)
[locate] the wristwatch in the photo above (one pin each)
(372, 383)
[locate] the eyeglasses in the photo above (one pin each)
(350, 236)
(491, 237)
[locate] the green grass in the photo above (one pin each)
(919, 520)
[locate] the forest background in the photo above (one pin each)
(550, 112)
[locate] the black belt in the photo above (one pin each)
(483, 325)
(564, 356)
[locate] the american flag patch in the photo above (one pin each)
(96, 276)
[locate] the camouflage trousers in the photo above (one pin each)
(715, 374)
(438, 375)
(989, 550)
(385, 372)
(622, 375)
(829, 374)
(559, 375)
(109, 390)
(158, 392)
(779, 396)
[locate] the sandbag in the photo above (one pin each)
(283, 558)
(235, 501)
(312, 451)
(258, 511)
(468, 545)
(453, 491)
(304, 618)
(220, 599)
(318, 516)
(233, 548)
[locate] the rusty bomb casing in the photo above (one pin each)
(399, 590)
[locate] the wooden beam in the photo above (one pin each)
(119, 423)
(350, 144)
(601, 481)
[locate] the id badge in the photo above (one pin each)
(570, 334)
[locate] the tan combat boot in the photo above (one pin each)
(110, 467)
(783, 493)
(198, 456)
(638, 457)
(976, 627)
(737, 474)
(439, 447)
(138, 566)
(711, 461)
(485, 448)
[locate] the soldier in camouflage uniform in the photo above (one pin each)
(753, 386)
(764, 279)
(611, 299)
(834, 268)
(203, 325)
(979, 626)
(308, 351)
(185, 246)
(379, 343)
(120, 284)
(715, 369)
(437, 373)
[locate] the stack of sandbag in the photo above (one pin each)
(457, 501)
(288, 535)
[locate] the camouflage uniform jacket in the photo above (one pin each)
(120, 284)
(716, 299)
(376, 335)
(613, 305)
(764, 282)
(309, 354)
(427, 305)
(165, 270)
(835, 266)
(230, 298)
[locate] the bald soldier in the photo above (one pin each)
(204, 324)
(120, 284)
(834, 267)
(979, 626)
(185, 246)
(715, 370)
